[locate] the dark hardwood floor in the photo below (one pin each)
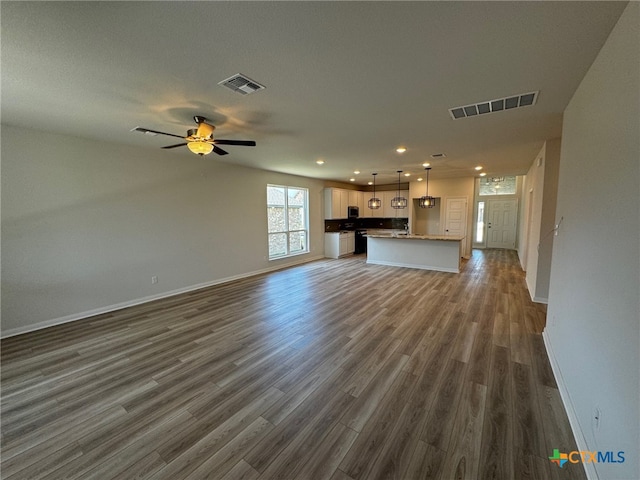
(334, 369)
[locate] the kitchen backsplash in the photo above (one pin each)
(353, 224)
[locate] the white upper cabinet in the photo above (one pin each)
(353, 198)
(336, 201)
(361, 203)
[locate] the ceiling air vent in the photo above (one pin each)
(491, 106)
(241, 84)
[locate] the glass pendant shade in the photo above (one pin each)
(427, 201)
(374, 203)
(398, 201)
(201, 148)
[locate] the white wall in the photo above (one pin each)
(593, 327)
(533, 190)
(85, 225)
(539, 199)
(547, 218)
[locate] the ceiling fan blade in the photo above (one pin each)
(176, 145)
(220, 151)
(246, 143)
(147, 130)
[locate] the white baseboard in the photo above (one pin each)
(533, 296)
(589, 468)
(138, 301)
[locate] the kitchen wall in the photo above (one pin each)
(426, 221)
(593, 321)
(86, 224)
(441, 189)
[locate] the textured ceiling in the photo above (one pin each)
(346, 82)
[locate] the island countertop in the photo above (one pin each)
(403, 236)
(429, 252)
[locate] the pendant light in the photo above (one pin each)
(399, 202)
(374, 202)
(427, 201)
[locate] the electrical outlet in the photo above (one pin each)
(154, 279)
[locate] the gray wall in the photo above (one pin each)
(85, 225)
(593, 327)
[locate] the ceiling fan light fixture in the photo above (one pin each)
(200, 148)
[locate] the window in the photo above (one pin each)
(480, 223)
(287, 218)
(497, 186)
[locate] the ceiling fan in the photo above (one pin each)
(200, 140)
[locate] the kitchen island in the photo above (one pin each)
(428, 252)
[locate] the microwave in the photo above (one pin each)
(353, 212)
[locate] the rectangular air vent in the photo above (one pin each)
(491, 106)
(241, 84)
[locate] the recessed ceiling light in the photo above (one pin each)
(420, 179)
(407, 174)
(401, 149)
(352, 179)
(369, 183)
(357, 172)
(320, 162)
(426, 164)
(483, 174)
(479, 167)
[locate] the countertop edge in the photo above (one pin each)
(451, 238)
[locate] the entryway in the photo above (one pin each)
(502, 223)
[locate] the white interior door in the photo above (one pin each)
(455, 216)
(502, 224)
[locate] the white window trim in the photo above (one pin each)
(286, 220)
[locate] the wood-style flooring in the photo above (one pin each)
(331, 370)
